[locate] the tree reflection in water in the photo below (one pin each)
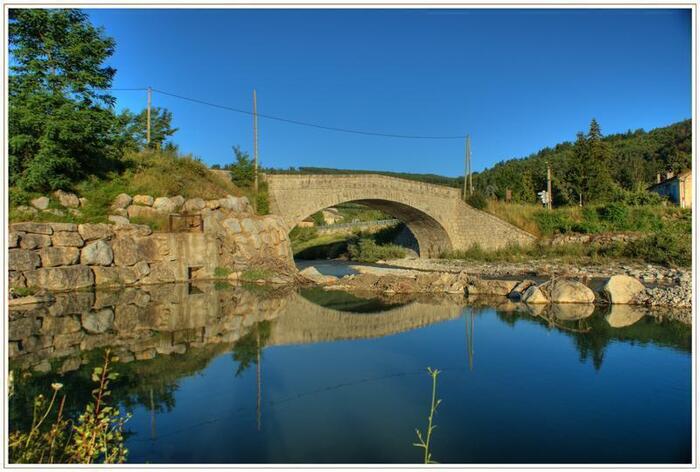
(165, 333)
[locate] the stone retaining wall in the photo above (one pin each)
(66, 256)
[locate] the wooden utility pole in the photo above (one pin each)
(255, 148)
(549, 186)
(469, 159)
(148, 117)
(466, 168)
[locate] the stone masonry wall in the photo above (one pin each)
(67, 256)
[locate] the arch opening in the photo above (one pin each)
(427, 236)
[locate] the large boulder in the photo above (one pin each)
(59, 256)
(534, 296)
(60, 278)
(143, 200)
(67, 239)
(121, 201)
(236, 204)
(519, 289)
(569, 291)
(67, 199)
(622, 289)
(97, 253)
(42, 203)
(23, 259)
(165, 205)
(90, 231)
(312, 274)
(194, 205)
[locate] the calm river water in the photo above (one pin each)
(222, 374)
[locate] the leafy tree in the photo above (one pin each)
(243, 170)
(133, 126)
(61, 126)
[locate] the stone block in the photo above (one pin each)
(30, 227)
(165, 205)
(90, 232)
(23, 259)
(14, 238)
(61, 278)
(118, 220)
(64, 227)
(194, 205)
(126, 251)
(34, 241)
(148, 249)
(67, 199)
(59, 256)
(121, 201)
(97, 253)
(41, 203)
(146, 200)
(67, 238)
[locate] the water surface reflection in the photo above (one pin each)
(215, 373)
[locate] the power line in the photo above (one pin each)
(303, 123)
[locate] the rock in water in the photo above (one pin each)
(569, 291)
(534, 296)
(622, 289)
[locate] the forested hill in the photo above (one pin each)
(592, 168)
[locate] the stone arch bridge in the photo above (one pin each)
(436, 215)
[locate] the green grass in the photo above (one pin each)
(159, 174)
(610, 217)
(222, 272)
(253, 275)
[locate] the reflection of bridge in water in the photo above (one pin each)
(305, 322)
(141, 323)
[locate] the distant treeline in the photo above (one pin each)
(591, 169)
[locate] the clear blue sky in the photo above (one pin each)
(516, 80)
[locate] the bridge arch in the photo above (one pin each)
(435, 214)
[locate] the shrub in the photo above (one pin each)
(551, 222)
(616, 214)
(674, 249)
(367, 250)
(303, 234)
(477, 200)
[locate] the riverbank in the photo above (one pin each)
(601, 287)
